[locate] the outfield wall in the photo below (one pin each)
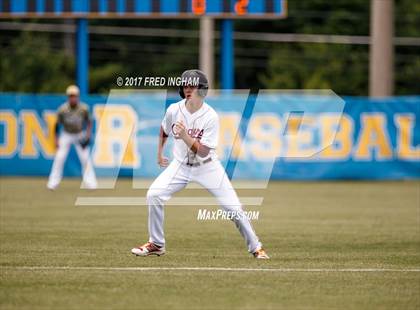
(368, 139)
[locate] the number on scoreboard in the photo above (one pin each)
(142, 8)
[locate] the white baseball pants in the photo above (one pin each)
(65, 141)
(211, 176)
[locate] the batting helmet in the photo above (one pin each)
(190, 78)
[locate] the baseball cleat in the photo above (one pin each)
(261, 254)
(147, 249)
(51, 187)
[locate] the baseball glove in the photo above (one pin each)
(84, 142)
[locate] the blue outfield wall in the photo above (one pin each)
(280, 137)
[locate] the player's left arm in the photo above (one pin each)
(193, 144)
(208, 141)
(89, 124)
(89, 128)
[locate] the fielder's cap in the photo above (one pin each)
(72, 90)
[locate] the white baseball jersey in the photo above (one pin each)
(202, 125)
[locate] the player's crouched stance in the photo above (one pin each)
(195, 127)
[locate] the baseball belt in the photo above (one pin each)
(198, 163)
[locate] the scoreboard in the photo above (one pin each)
(83, 10)
(142, 8)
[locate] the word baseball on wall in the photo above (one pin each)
(362, 139)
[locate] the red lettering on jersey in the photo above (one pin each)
(195, 133)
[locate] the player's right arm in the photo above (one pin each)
(57, 126)
(56, 129)
(165, 128)
(162, 160)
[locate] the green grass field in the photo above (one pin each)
(341, 245)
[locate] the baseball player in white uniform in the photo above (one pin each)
(195, 127)
(74, 117)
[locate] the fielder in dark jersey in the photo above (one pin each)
(75, 119)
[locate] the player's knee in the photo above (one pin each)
(61, 155)
(231, 206)
(153, 195)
